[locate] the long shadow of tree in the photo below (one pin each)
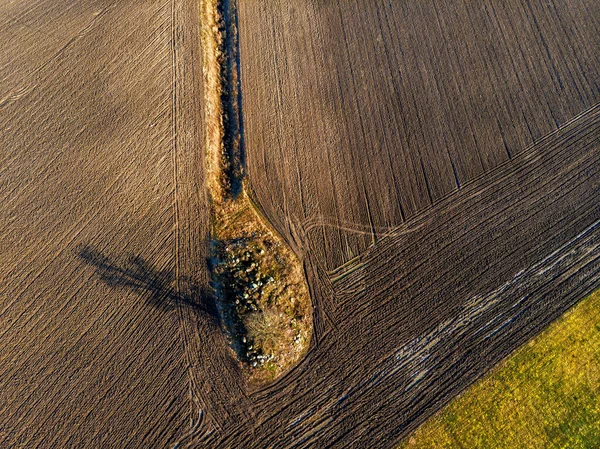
(156, 287)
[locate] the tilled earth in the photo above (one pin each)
(434, 167)
(103, 224)
(437, 302)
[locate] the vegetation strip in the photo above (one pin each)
(263, 297)
(547, 394)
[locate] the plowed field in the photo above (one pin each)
(433, 164)
(358, 115)
(102, 224)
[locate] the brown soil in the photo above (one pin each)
(360, 115)
(101, 277)
(434, 165)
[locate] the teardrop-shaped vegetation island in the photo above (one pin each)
(263, 295)
(260, 284)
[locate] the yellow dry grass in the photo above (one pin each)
(281, 327)
(213, 59)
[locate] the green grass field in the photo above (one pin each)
(545, 395)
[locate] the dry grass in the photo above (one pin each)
(262, 282)
(212, 36)
(546, 395)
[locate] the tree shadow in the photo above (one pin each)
(157, 287)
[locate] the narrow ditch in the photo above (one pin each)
(259, 282)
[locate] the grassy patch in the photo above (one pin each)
(262, 290)
(545, 395)
(263, 297)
